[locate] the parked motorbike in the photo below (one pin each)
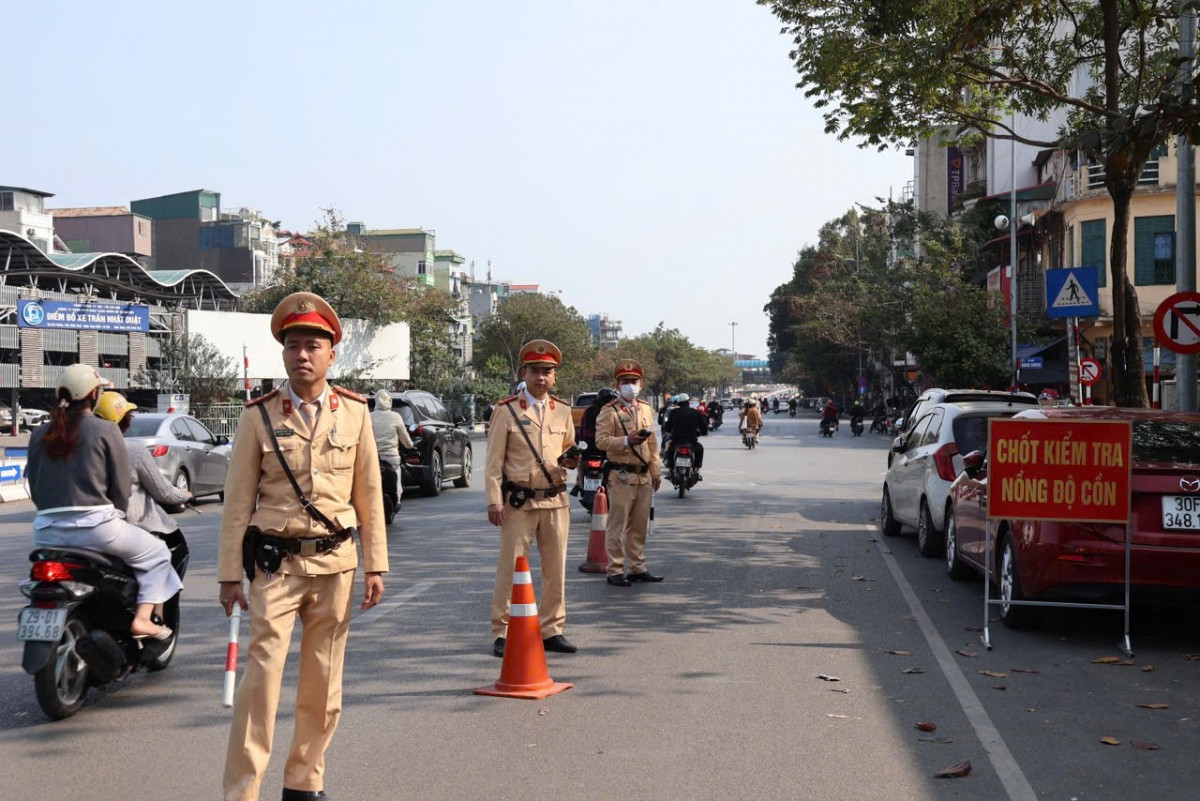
(683, 476)
(76, 627)
(593, 478)
(392, 493)
(828, 427)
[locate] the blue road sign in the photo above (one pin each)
(1072, 292)
(10, 472)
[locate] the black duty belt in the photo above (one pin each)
(536, 494)
(308, 546)
(639, 469)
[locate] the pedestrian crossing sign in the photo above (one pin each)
(1072, 292)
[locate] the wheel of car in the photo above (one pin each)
(464, 481)
(433, 475)
(182, 481)
(929, 539)
(955, 569)
(1015, 617)
(887, 521)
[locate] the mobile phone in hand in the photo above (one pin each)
(570, 453)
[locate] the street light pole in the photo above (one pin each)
(1012, 247)
(1185, 210)
(733, 341)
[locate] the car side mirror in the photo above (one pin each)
(459, 420)
(972, 463)
(899, 423)
(222, 440)
(898, 445)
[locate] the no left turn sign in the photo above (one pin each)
(1089, 372)
(1177, 323)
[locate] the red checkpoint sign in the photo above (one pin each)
(1077, 470)
(1177, 323)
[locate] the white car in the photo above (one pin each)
(916, 489)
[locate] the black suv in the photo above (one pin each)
(443, 447)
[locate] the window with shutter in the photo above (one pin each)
(1153, 255)
(1094, 248)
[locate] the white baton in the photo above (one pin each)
(231, 657)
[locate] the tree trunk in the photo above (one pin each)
(1126, 367)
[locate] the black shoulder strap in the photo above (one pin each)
(529, 442)
(632, 448)
(308, 505)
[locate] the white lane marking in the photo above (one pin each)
(1011, 776)
(371, 615)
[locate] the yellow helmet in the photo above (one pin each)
(112, 406)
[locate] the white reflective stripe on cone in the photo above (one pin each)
(522, 578)
(522, 610)
(599, 522)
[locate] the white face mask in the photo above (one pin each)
(630, 391)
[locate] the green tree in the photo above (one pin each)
(522, 318)
(672, 363)
(895, 71)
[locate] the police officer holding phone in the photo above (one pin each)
(625, 429)
(531, 448)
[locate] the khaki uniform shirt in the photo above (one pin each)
(610, 437)
(337, 468)
(509, 457)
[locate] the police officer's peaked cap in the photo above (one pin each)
(628, 367)
(540, 351)
(305, 310)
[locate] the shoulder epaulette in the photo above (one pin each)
(560, 400)
(503, 401)
(643, 402)
(346, 393)
(261, 398)
(613, 402)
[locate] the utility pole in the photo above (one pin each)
(1012, 247)
(733, 341)
(1185, 209)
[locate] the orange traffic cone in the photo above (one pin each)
(597, 555)
(523, 672)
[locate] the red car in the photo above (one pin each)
(1045, 560)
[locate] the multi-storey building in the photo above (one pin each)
(408, 251)
(606, 332)
(23, 211)
(105, 229)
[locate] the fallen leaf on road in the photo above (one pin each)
(835, 715)
(995, 674)
(1144, 746)
(1192, 657)
(823, 677)
(858, 578)
(961, 652)
(954, 771)
(938, 740)
(1154, 706)
(1147, 668)
(1112, 660)
(913, 671)
(839, 690)
(544, 711)
(1023, 670)
(936, 589)
(1110, 741)
(924, 725)
(999, 687)
(899, 653)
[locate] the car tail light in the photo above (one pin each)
(159, 451)
(943, 460)
(52, 571)
(420, 432)
(413, 459)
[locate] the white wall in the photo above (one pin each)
(999, 156)
(362, 344)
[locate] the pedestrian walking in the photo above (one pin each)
(625, 430)
(526, 485)
(303, 479)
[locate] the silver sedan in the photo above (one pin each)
(189, 455)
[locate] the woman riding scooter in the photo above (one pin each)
(79, 478)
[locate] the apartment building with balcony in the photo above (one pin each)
(23, 211)
(408, 251)
(606, 332)
(105, 229)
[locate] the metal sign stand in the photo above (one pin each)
(1126, 645)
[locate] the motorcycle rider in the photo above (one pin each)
(775, 404)
(716, 414)
(684, 426)
(79, 479)
(856, 413)
(750, 419)
(587, 430)
(391, 435)
(792, 406)
(830, 414)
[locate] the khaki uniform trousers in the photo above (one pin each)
(322, 603)
(520, 527)
(628, 518)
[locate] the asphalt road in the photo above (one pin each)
(703, 687)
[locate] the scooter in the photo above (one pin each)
(683, 476)
(593, 478)
(750, 437)
(76, 627)
(856, 426)
(792, 411)
(828, 426)
(392, 494)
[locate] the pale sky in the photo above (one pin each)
(651, 159)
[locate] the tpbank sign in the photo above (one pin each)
(1076, 470)
(82, 316)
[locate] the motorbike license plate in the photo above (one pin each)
(591, 484)
(41, 625)
(1181, 512)
(683, 461)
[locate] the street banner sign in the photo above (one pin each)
(1072, 292)
(83, 315)
(1089, 372)
(1068, 470)
(1177, 323)
(1031, 363)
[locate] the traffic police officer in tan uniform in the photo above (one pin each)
(302, 568)
(529, 501)
(625, 429)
